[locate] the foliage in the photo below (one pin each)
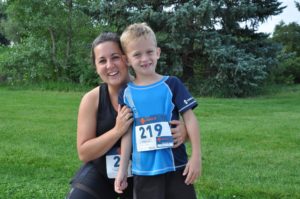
(3, 53)
(290, 70)
(288, 35)
(52, 35)
(297, 3)
(23, 64)
(236, 73)
(3, 39)
(195, 36)
(183, 29)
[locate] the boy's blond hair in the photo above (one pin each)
(135, 31)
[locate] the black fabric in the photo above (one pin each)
(106, 115)
(88, 183)
(106, 120)
(91, 181)
(76, 193)
(166, 186)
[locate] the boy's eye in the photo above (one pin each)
(136, 54)
(150, 51)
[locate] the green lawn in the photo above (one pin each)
(251, 147)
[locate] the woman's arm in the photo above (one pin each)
(179, 132)
(89, 146)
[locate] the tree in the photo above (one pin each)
(208, 43)
(185, 28)
(51, 33)
(3, 39)
(297, 5)
(288, 35)
(177, 24)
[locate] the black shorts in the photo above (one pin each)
(88, 183)
(166, 186)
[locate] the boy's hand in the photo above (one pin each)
(192, 170)
(120, 182)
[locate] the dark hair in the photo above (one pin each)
(105, 37)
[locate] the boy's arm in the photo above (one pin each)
(121, 179)
(193, 167)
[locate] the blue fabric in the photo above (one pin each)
(164, 99)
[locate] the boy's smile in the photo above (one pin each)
(142, 54)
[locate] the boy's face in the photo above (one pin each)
(142, 55)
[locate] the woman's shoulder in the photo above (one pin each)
(91, 97)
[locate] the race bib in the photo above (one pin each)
(153, 133)
(113, 162)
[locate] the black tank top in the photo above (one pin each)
(106, 120)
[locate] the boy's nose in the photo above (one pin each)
(144, 57)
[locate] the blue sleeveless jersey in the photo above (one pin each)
(164, 99)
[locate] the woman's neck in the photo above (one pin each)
(113, 95)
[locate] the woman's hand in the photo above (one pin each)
(124, 119)
(179, 132)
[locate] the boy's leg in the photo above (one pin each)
(149, 187)
(176, 188)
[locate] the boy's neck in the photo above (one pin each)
(147, 80)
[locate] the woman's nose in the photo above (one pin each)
(109, 63)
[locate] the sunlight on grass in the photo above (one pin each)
(250, 146)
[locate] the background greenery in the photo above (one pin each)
(212, 45)
(250, 146)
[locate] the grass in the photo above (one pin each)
(251, 147)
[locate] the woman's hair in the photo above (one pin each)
(105, 37)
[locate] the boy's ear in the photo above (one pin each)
(158, 52)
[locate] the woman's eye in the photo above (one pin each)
(102, 61)
(115, 57)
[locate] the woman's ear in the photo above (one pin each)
(125, 60)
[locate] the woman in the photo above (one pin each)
(102, 122)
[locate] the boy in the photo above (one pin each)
(159, 171)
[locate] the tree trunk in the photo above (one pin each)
(69, 31)
(53, 54)
(187, 68)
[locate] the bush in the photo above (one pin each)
(30, 62)
(232, 71)
(291, 68)
(4, 51)
(24, 62)
(288, 70)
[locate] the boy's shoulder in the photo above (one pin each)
(173, 80)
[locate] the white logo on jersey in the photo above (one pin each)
(186, 101)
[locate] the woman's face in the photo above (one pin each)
(111, 63)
